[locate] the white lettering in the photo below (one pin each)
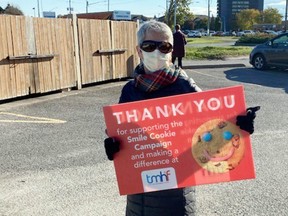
(214, 104)
(176, 110)
(232, 101)
(146, 114)
(132, 115)
(118, 115)
(199, 105)
(161, 111)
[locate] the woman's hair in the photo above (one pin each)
(154, 26)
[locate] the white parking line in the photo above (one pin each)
(29, 119)
(209, 75)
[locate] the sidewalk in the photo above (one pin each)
(242, 61)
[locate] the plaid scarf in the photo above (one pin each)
(156, 80)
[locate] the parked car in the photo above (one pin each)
(194, 34)
(273, 53)
(245, 32)
(204, 33)
(218, 33)
(212, 33)
(185, 32)
(282, 32)
(270, 32)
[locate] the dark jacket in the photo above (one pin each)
(179, 44)
(173, 202)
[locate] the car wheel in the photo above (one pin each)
(259, 62)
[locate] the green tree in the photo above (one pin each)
(1, 10)
(188, 24)
(271, 16)
(212, 23)
(183, 12)
(10, 9)
(201, 23)
(247, 18)
(217, 24)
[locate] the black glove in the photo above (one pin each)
(111, 147)
(246, 122)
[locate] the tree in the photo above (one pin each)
(183, 12)
(201, 23)
(271, 16)
(247, 18)
(10, 9)
(212, 23)
(217, 25)
(1, 10)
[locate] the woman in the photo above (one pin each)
(156, 77)
(179, 45)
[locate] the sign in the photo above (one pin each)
(49, 14)
(180, 141)
(121, 15)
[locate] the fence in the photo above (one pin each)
(39, 55)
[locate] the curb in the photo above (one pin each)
(213, 66)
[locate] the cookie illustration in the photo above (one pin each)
(218, 146)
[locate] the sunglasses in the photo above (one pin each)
(150, 46)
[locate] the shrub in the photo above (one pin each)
(255, 39)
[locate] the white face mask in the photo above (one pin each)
(155, 60)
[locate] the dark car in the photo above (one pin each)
(273, 53)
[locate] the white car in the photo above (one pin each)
(194, 34)
(245, 32)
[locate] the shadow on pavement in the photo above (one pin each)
(270, 78)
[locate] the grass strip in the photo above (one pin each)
(211, 40)
(209, 52)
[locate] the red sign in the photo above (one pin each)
(180, 141)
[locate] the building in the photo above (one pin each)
(111, 15)
(227, 10)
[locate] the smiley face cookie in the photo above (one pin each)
(218, 146)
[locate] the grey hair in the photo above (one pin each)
(154, 26)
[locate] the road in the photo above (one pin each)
(52, 160)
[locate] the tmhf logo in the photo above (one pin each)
(159, 179)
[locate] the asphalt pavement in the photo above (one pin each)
(52, 160)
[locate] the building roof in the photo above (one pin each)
(108, 15)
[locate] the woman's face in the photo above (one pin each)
(155, 36)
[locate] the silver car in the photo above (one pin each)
(273, 53)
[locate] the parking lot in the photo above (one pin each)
(52, 160)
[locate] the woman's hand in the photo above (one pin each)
(246, 122)
(112, 146)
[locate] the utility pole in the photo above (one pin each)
(38, 5)
(175, 12)
(87, 4)
(208, 24)
(285, 24)
(70, 7)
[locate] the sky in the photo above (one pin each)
(149, 8)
